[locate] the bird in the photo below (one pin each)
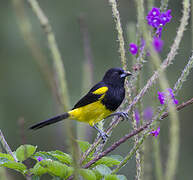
(99, 103)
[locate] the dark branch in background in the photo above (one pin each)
(87, 71)
(86, 45)
(56, 55)
(21, 124)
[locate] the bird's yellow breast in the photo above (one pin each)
(91, 113)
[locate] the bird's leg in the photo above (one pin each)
(102, 133)
(124, 115)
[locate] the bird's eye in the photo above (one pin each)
(120, 72)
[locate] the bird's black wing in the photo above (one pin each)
(90, 97)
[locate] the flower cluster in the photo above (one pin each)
(156, 132)
(158, 19)
(162, 96)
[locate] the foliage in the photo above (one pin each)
(58, 164)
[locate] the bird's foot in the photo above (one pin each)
(124, 115)
(104, 136)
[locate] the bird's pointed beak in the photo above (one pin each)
(125, 74)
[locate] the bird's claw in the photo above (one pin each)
(104, 136)
(124, 115)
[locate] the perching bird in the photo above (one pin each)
(99, 103)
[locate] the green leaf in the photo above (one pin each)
(56, 168)
(35, 178)
(44, 155)
(117, 157)
(108, 161)
(111, 177)
(102, 169)
(62, 157)
(121, 177)
(57, 178)
(7, 156)
(84, 145)
(4, 162)
(87, 174)
(25, 151)
(38, 170)
(97, 174)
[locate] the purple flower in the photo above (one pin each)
(153, 17)
(157, 44)
(156, 132)
(158, 19)
(148, 113)
(159, 32)
(133, 48)
(39, 158)
(175, 101)
(154, 12)
(137, 116)
(165, 17)
(155, 22)
(161, 97)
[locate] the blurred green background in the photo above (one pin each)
(24, 93)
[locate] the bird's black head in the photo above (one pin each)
(116, 76)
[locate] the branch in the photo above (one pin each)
(179, 107)
(58, 64)
(6, 146)
(116, 16)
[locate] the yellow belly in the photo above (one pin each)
(91, 113)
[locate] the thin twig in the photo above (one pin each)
(130, 154)
(87, 52)
(57, 59)
(6, 146)
(116, 16)
(31, 41)
(179, 107)
(164, 5)
(82, 130)
(183, 76)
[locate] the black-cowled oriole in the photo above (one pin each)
(99, 103)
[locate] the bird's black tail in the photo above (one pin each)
(50, 121)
